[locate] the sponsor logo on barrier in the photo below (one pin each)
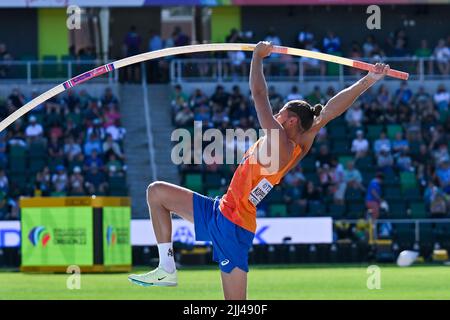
(110, 236)
(39, 235)
(116, 235)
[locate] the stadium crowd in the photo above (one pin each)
(396, 44)
(69, 145)
(387, 156)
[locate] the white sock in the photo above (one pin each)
(166, 259)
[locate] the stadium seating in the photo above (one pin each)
(28, 158)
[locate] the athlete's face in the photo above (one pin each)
(286, 118)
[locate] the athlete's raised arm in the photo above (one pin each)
(258, 87)
(344, 99)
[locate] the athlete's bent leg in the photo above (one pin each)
(162, 199)
(234, 284)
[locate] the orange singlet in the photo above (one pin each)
(250, 184)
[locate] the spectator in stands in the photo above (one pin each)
(180, 38)
(377, 54)
(3, 206)
(76, 185)
(219, 115)
(338, 185)
(95, 127)
(385, 161)
(403, 113)
(155, 42)
(184, 117)
(132, 46)
(383, 96)
(17, 135)
(316, 96)
(3, 145)
(422, 160)
(404, 161)
(78, 161)
(93, 111)
(55, 149)
(399, 144)
(42, 184)
(17, 98)
(178, 99)
(352, 177)
(113, 165)
(198, 98)
(293, 191)
(442, 55)
(331, 43)
(114, 172)
(244, 111)
(436, 200)
(71, 148)
(368, 46)
(325, 177)
(381, 142)
(95, 181)
(393, 41)
(60, 181)
(305, 37)
(403, 94)
(74, 121)
(295, 177)
(93, 159)
(108, 98)
(117, 131)
(373, 195)
(4, 57)
(312, 195)
(238, 64)
(360, 145)
(374, 114)
(4, 184)
(220, 97)
(276, 100)
(235, 100)
(71, 100)
(294, 94)
(441, 153)
(84, 98)
(112, 147)
(33, 130)
(93, 143)
(442, 98)
(203, 114)
(355, 115)
(443, 175)
(422, 98)
(324, 156)
(400, 49)
(424, 52)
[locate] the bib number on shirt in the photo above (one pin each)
(260, 191)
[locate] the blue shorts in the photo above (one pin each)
(231, 242)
